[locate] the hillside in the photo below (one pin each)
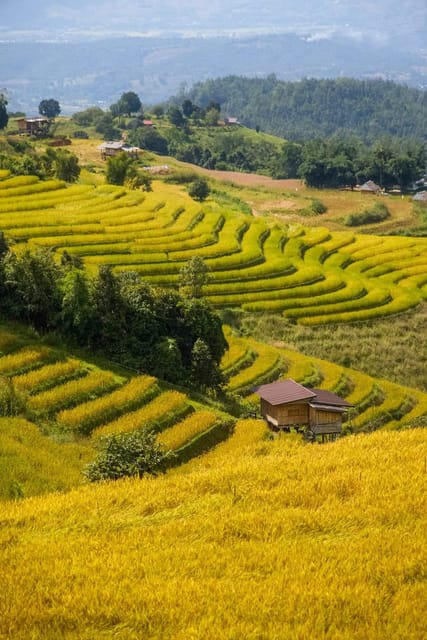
(68, 403)
(311, 275)
(313, 108)
(261, 540)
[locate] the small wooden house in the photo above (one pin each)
(287, 404)
(32, 126)
(111, 149)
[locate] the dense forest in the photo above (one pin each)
(172, 335)
(313, 108)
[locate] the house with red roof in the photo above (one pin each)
(286, 404)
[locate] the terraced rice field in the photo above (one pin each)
(77, 403)
(377, 402)
(312, 276)
(80, 402)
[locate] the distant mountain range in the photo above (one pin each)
(86, 52)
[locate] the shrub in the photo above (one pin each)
(127, 455)
(185, 176)
(377, 213)
(318, 207)
(199, 189)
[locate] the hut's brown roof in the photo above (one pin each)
(284, 391)
(327, 397)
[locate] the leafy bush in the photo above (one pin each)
(185, 176)
(199, 189)
(377, 213)
(126, 455)
(318, 207)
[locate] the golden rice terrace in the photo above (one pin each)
(312, 276)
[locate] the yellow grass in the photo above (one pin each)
(280, 540)
(31, 463)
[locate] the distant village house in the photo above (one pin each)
(231, 122)
(32, 126)
(286, 404)
(110, 149)
(370, 187)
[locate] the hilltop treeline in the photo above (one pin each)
(313, 108)
(119, 316)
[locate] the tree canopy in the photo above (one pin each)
(121, 316)
(311, 108)
(128, 104)
(49, 108)
(4, 117)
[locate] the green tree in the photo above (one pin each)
(77, 314)
(192, 277)
(105, 126)
(199, 189)
(212, 117)
(66, 166)
(32, 288)
(126, 455)
(289, 160)
(205, 374)
(4, 117)
(175, 116)
(88, 117)
(165, 361)
(49, 108)
(128, 103)
(200, 321)
(149, 138)
(187, 108)
(109, 309)
(118, 168)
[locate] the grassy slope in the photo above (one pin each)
(274, 540)
(394, 348)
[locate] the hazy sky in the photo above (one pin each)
(225, 15)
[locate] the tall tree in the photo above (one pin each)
(66, 166)
(49, 108)
(128, 103)
(192, 277)
(77, 314)
(32, 288)
(4, 117)
(110, 313)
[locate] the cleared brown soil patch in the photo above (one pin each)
(253, 180)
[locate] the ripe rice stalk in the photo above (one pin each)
(84, 417)
(33, 380)
(168, 406)
(73, 392)
(182, 432)
(25, 358)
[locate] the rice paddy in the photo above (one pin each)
(312, 276)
